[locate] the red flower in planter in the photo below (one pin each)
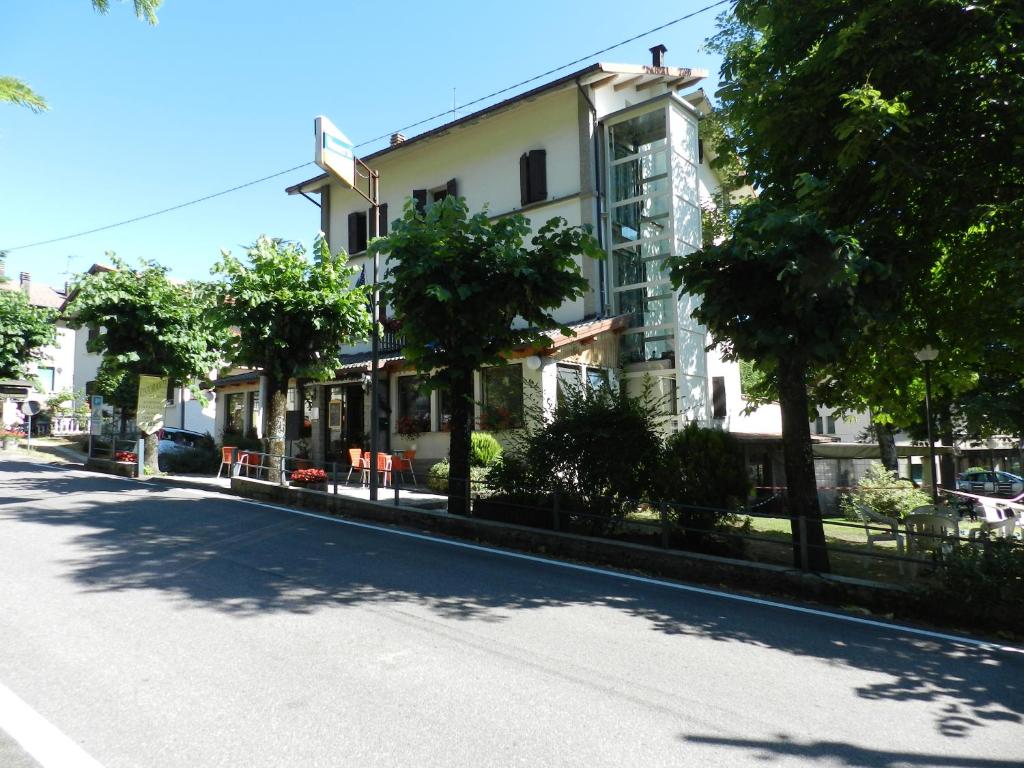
(309, 476)
(128, 456)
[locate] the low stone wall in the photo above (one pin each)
(111, 467)
(684, 566)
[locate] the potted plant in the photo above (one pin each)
(126, 456)
(310, 479)
(10, 439)
(302, 455)
(410, 428)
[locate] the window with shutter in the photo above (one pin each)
(718, 403)
(420, 196)
(533, 176)
(356, 232)
(383, 220)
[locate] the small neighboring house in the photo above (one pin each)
(182, 409)
(613, 146)
(53, 373)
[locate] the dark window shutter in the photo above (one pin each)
(524, 178)
(452, 188)
(325, 212)
(371, 222)
(538, 175)
(353, 233)
(383, 219)
(718, 397)
(420, 196)
(700, 150)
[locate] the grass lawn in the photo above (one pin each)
(772, 543)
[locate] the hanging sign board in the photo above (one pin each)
(149, 413)
(334, 151)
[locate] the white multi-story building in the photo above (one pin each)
(612, 146)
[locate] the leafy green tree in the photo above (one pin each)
(458, 283)
(893, 120)
(14, 91)
(781, 290)
(24, 330)
(291, 316)
(152, 326)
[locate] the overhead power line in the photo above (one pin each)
(439, 115)
(549, 72)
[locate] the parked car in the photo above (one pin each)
(173, 440)
(990, 483)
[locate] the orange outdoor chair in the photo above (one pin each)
(226, 456)
(403, 464)
(356, 462)
(249, 460)
(383, 466)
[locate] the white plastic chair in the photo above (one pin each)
(930, 534)
(873, 522)
(1001, 529)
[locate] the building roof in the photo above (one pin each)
(247, 377)
(39, 294)
(595, 75)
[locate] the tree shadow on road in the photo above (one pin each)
(248, 560)
(838, 753)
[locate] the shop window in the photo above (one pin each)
(503, 397)
(568, 381)
(234, 412)
(413, 405)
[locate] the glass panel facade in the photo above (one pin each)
(643, 262)
(641, 134)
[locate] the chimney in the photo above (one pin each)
(397, 138)
(26, 280)
(658, 55)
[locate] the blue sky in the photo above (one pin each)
(222, 92)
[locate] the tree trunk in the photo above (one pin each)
(275, 429)
(460, 440)
(887, 446)
(151, 446)
(799, 462)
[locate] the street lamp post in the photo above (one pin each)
(926, 356)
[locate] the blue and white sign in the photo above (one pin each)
(334, 151)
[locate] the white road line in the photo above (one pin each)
(983, 644)
(38, 737)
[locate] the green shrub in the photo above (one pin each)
(204, 461)
(705, 477)
(485, 450)
(437, 478)
(599, 451)
(981, 582)
(884, 493)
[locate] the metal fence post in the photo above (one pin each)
(281, 470)
(804, 557)
(396, 482)
(663, 514)
(334, 473)
(469, 494)
(556, 512)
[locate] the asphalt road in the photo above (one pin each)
(153, 626)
